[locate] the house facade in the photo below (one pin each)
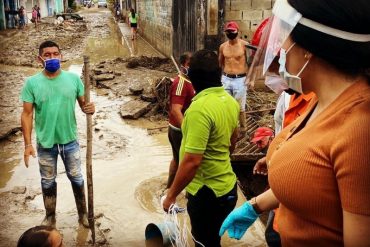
(47, 8)
(175, 26)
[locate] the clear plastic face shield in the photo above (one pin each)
(275, 33)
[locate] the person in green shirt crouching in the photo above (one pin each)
(209, 130)
(51, 95)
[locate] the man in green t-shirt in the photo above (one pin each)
(51, 95)
(209, 130)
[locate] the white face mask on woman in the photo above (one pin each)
(293, 81)
(276, 83)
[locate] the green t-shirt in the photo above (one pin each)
(207, 128)
(54, 101)
(133, 20)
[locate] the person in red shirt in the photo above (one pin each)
(181, 94)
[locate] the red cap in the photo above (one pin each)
(262, 132)
(231, 26)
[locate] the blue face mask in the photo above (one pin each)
(52, 65)
(293, 81)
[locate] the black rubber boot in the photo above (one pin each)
(50, 202)
(79, 193)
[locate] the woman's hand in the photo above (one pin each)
(239, 220)
(260, 167)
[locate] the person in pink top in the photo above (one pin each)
(34, 15)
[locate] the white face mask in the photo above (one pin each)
(293, 81)
(185, 70)
(276, 83)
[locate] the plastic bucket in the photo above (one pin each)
(158, 235)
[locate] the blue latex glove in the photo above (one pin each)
(238, 221)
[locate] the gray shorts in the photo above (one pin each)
(175, 136)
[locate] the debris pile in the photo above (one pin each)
(145, 79)
(153, 63)
(161, 92)
(261, 105)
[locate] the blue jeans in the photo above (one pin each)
(70, 154)
(236, 88)
(11, 22)
(22, 21)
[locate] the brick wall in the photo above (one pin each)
(155, 23)
(248, 14)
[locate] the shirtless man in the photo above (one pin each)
(232, 59)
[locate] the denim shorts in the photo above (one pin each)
(236, 88)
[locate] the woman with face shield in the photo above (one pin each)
(318, 166)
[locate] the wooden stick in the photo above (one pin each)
(165, 77)
(174, 62)
(158, 128)
(89, 175)
(262, 110)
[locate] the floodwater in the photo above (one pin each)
(129, 167)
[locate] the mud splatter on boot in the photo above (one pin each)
(79, 193)
(50, 201)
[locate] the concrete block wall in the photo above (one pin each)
(155, 23)
(248, 14)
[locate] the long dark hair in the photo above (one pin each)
(353, 58)
(132, 13)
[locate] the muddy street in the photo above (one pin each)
(130, 157)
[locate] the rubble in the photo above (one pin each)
(19, 190)
(103, 77)
(98, 71)
(154, 63)
(136, 90)
(135, 109)
(257, 102)
(148, 98)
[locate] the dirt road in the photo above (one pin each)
(129, 165)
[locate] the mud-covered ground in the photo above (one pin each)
(129, 164)
(20, 47)
(9, 101)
